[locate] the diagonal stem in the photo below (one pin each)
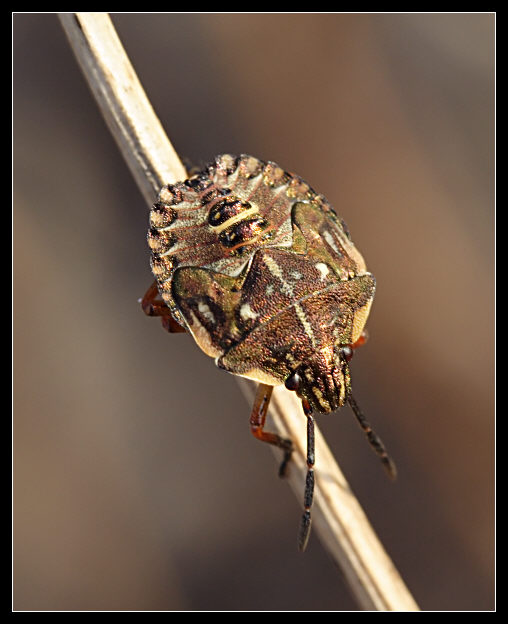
(123, 102)
(338, 518)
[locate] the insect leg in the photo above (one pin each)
(364, 336)
(373, 438)
(257, 422)
(304, 531)
(152, 306)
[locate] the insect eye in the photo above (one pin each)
(347, 353)
(293, 382)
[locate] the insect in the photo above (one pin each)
(263, 273)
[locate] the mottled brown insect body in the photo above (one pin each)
(262, 272)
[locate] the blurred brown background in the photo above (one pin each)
(137, 483)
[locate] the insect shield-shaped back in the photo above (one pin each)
(263, 273)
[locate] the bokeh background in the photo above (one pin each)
(137, 484)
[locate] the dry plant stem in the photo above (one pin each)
(123, 102)
(337, 515)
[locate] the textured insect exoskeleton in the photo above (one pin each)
(262, 272)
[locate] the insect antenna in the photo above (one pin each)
(373, 438)
(304, 532)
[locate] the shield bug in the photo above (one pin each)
(263, 273)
